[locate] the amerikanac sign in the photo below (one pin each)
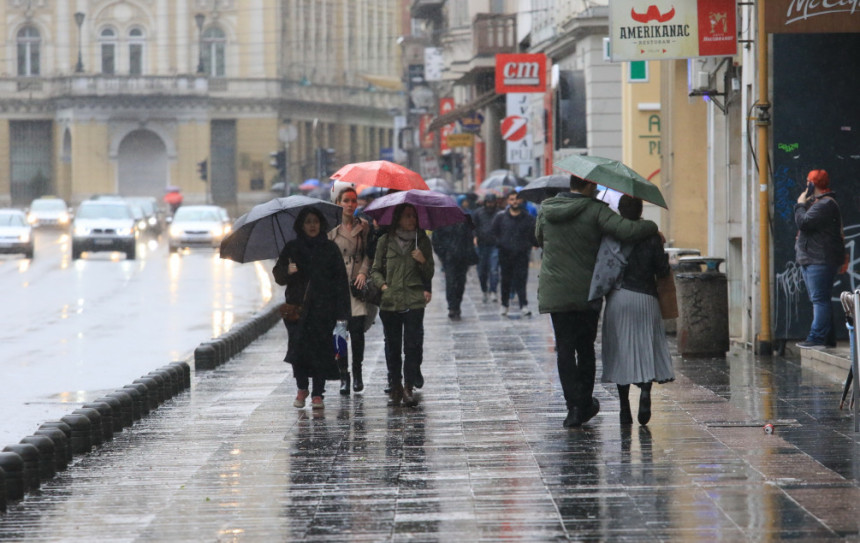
(667, 29)
(815, 16)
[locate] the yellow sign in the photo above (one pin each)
(460, 140)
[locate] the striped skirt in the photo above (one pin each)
(634, 347)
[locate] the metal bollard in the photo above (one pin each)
(703, 309)
(126, 409)
(47, 462)
(81, 436)
(13, 475)
(106, 414)
(30, 455)
(95, 423)
(67, 431)
(62, 450)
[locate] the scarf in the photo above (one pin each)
(406, 238)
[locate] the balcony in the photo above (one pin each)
(494, 33)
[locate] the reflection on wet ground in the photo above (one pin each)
(483, 457)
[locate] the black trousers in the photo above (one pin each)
(404, 335)
(575, 333)
(303, 378)
(514, 267)
(455, 284)
(355, 327)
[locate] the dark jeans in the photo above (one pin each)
(455, 284)
(403, 331)
(575, 332)
(303, 378)
(355, 327)
(819, 283)
(488, 267)
(515, 274)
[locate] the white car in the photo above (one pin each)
(49, 212)
(16, 234)
(104, 225)
(197, 226)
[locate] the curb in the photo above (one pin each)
(24, 466)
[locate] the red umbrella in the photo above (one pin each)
(380, 173)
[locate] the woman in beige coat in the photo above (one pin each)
(351, 238)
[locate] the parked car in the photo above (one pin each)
(154, 216)
(196, 226)
(16, 234)
(104, 225)
(49, 211)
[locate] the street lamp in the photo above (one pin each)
(199, 18)
(79, 20)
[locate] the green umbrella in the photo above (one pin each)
(612, 174)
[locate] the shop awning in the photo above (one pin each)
(385, 82)
(461, 111)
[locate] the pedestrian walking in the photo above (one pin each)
(456, 250)
(351, 237)
(404, 268)
(634, 346)
(514, 231)
(820, 250)
(312, 269)
(488, 252)
(569, 228)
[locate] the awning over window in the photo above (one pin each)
(461, 111)
(386, 82)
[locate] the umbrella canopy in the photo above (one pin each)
(261, 233)
(440, 185)
(309, 184)
(498, 192)
(380, 173)
(612, 174)
(434, 209)
(372, 192)
(544, 187)
(503, 179)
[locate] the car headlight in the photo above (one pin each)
(31, 218)
(81, 231)
(24, 238)
(216, 231)
(63, 218)
(152, 221)
(141, 225)
(175, 231)
(124, 231)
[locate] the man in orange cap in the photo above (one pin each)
(820, 249)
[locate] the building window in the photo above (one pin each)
(135, 51)
(29, 45)
(214, 41)
(108, 48)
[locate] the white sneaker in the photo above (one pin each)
(525, 312)
(495, 299)
(486, 297)
(504, 311)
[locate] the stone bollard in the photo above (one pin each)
(30, 455)
(205, 357)
(95, 423)
(47, 460)
(62, 450)
(67, 431)
(139, 393)
(81, 437)
(703, 309)
(106, 413)
(13, 475)
(185, 368)
(115, 411)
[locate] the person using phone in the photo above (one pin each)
(820, 250)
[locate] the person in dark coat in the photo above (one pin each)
(488, 253)
(455, 247)
(514, 230)
(820, 249)
(312, 269)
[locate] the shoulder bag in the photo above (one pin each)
(292, 313)
(372, 293)
(667, 296)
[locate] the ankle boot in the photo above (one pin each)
(409, 397)
(644, 403)
(396, 394)
(357, 382)
(344, 377)
(625, 417)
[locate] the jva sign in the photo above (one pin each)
(520, 73)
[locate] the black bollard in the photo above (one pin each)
(30, 455)
(82, 440)
(126, 406)
(160, 386)
(62, 447)
(116, 411)
(153, 395)
(139, 393)
(186, 371)
(106, 412)
(166, 384)
(205, 357)
(177, 381)
(47, 462)
(2, 491)
(66, 429)
(96, 423)
(13, 474)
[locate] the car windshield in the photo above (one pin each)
(191, 214)
(48, 205)
(12, 219)
(103, 212)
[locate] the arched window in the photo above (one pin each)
(107, 37)
(29, 46)
(214, 41)
(135, 51)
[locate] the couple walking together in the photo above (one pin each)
(570, 228)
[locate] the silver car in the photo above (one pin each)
(197, 226)
(16, 234)
(104, 225)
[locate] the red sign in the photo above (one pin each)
(520, 73)
(717, 28)
(445, 105)
(427, 138)
(514, 128)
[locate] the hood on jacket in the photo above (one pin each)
(565, 206)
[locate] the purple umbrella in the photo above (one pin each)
(434, 208)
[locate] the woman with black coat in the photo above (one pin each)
(312, 269)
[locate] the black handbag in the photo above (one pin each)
(372, 293)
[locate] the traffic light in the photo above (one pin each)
(203, 169)
(328, 162)
(278, 161)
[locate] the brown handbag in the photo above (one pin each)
(290, 312)
(667, 296)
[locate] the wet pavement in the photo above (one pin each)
(483, 457)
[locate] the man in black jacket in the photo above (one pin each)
(820, 249)
(514, 230)
(488, 253)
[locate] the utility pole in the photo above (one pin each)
(764, 344)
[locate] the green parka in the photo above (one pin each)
(406, 278)
(569, 228)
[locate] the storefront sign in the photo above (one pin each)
(813, 16)
(472, 122)
(460, 140)
(445, 105)
(520, 73)
(667, 29)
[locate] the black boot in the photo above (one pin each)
(344, 378)
(357, 382)
(625, 416)
(644, 403)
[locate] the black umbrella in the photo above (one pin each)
(544, 187)
(262, 233)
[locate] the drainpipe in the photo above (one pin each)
(763, 341)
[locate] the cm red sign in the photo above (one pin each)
(520, 73)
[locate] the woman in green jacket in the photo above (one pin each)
(404, 268)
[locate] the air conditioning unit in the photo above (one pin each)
(703, 81)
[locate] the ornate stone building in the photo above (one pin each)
(130, 96)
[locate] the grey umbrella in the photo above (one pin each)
(262, 233)
(440, 185)
(544, 187)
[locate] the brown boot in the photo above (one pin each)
(396, 394)
(408, 397)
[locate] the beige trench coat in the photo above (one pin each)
(353, 249)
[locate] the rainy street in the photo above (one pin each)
(483, 457)
(69, 330)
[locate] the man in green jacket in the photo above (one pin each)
(569, 228)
